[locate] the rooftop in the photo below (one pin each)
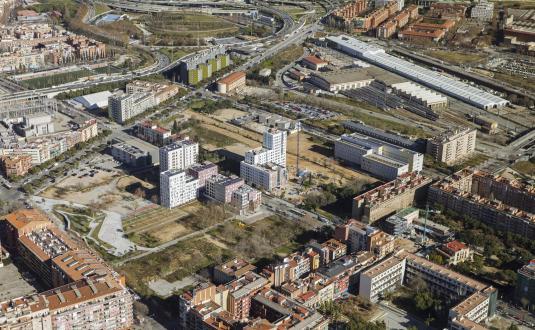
(233, 77)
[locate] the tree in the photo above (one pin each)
(436, 258)
(423, 300)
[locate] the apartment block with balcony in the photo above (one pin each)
(179, 155)
(452, 146)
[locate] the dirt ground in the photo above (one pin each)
(228, 114)
(104, 190)
(313, 157)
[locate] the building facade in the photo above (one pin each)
(177, 188)
(179, 155)
(452, 146)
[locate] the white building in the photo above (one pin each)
(382, 3)
(179, 155)
(378, 157)
(266, 167)
(432, 79)
(95, 100)
(123, 107)
(420, 94)
(483, 11)
(246, 199)
(177, 188)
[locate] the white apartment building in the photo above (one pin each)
(377, 157)
(123, 107)
(179, 155)
(483, 11)
(177, 188)
(453, 145)
(383, 277)
(477, 301)
(266, 167)
(382, 3)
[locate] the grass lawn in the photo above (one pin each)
(525, 167)
(190, 25)
(267, 238)
(174, 263)
(174, 54)
(525, 83)
(455, 57)
(57, 79)
(207, 136)
(79, 218)
(101, 8)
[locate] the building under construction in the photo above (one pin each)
(25, 103)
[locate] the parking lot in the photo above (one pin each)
(15, 283)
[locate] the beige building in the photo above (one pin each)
(232, 82)
(455, 252)
(452, 146)
(390, 197)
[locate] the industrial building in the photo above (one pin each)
(265, 167)
(377, 157)
(177, 188)
(452, 146)
(474, 301)
(341, 80)
(95, 100)
(396, 139)
(313, 62)
(130, 155)
(504, 205)
(390, 197)
(201, 66)
(25, 103)
(427, 77)
(420, 94)
(179, 155)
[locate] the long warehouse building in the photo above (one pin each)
(432, 79)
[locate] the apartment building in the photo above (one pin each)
(85, 292)
(152, 133)
(351, 10)
(455, 252)
(293, 267)
(130, 155)
(123, 107)
(377, 157)
(221, 188)
(452, 146)
(231, 83)
(179, 155)
(475, 301)
(202, 172)
(525, 286)
(206, 300)
(265, 167)
(483, 11)
(162, 92)
(499, 203)
(359, 236)
(177, 188)
(15, 165)
(246, 200)
(231, 270)
(202, 65)
(390, 197)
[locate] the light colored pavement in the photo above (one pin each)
(164, 288)
(396, 318)
(110, 232)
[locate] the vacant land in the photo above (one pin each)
(109, 191)
(267, 238)
(525, 167)
(456, 57)
(187, 28)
